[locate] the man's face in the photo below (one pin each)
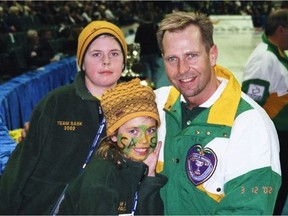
(187, 63)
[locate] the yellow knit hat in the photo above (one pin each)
(95, 29)
(126, 101)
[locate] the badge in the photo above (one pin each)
(200, 164)
(256, 92)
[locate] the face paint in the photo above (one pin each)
(138, 141)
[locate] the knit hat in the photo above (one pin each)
(126, 101)
(95, 29)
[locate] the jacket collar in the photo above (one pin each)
(223, 111)
(282, 56)
(81, 88)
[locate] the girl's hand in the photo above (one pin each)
(152, 159)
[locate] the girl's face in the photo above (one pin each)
(103, 64)
(137, 138)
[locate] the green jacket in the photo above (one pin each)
(108, 189)
(62, 129)
(222, 158)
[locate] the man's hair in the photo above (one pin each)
(180, 20)
(276, 18)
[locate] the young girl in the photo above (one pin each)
(121, 179)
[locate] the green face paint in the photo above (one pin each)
(138, 142)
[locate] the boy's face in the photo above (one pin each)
(103, 64)
(137, 138)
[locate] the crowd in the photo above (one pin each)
(14, 15)
(216, 145)
(65, 19)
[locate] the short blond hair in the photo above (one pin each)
(180, 20)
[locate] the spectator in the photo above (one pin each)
(87, 12)
(47, 12)
(14, 19)
(259, 13)
(265, 79)
(38, 52)
(107, 14)
(5, 26)
(150, 55)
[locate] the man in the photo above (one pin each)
(221, 151)
(149, 51)
(266, 81)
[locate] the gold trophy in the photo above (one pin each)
(133, 66)
(133, 56)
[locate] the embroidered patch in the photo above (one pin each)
(256, 92)
(200, 164)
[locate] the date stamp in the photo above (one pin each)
(257, 190)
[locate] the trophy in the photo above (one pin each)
(133, 56)
(133, 62)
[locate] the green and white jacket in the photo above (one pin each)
(265, 80)
(225, 161)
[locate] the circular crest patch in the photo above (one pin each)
(200, 164)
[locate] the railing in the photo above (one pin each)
(19, 95)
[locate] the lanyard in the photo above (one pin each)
(135, 202)
(94, 144)
(92, 148)
(136, 196)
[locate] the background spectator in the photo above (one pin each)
(38, 52)
(150, 55)
(265, 79)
